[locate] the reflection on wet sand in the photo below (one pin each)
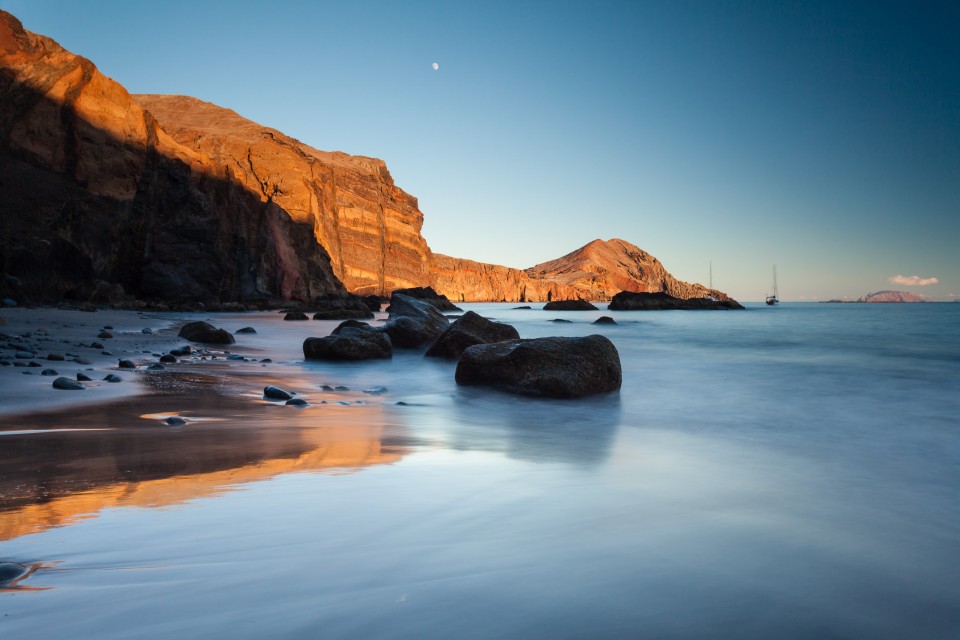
(67, 466)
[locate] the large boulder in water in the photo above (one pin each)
(427, 294)
(349, 345)
(470, 329)
(552, 367)
(569, 305)
(206, 333)
(413, 323)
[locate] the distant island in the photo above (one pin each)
(886, 296)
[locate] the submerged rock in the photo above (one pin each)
(470, 329)
(569, 305)
(297, 402)
(12, 571)
(175, 421)
(246, 330)
(112, 377)
(552, 367)
(604, 320)
(205, 332)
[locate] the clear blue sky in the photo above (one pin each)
(823, 137)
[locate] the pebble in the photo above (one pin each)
(127, 364)
(82, 361)
(168, 358)
(34, 363)
(67, 384)
(327, 387)
(375, 391)
(147, 331)
(297, 402)
(175, 421)
(112, 377)
(560, 320)
(341, 388)
(55, 357)
(266, 360)
(82, 377)
(246, 330)
(156, 367)
(23, 355)
(275, 393)
(96, 345)
(49, 372)
(236, 357)
(103, 335)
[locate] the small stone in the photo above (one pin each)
(560, 320)
(341, 388)
(168, 358)
(236, 356)
(266, 360)
(34, 363)
(23, 355)
(82, 361)
(103, 335)
(295, 315)
(106, 353)
(127, 364)
(604, 320)
(10, 571)
(175, 421)
(108, 326)
(49, 372)
(67, 384)
(147, 331)
(246, 330)
(275, 393)
(296, 402)
(156, 367)
(96, 345)
(4, 363)
(82, 377)
(327, 387)
(55, 357)
(112, 377)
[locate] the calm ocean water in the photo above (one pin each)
(774, 473)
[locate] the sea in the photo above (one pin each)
(778, 472)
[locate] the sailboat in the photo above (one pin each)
(772, 300)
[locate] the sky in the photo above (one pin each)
(820, 137)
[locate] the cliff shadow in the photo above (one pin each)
(183, 234)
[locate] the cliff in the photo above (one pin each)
(93, 190)
(176, 199)
(369, 226)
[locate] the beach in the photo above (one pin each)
(784, 472)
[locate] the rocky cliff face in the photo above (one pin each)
(176, 199)
(369, 226)
(93, 189)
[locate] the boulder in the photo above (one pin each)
(551, 367)
(413, 322)
(427, 294)
(470, 329)
(340, 307)
(349, 345)
(205, 332)
(276, 393)
(67, 384)
(659, 301)
(569, 305)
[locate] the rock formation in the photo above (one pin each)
(93, 189)
(106, 196)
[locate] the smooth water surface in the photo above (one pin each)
(773, 473)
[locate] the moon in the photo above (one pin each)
(435, 66)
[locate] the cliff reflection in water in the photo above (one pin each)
(112, 456)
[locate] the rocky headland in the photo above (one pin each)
(110, 198)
